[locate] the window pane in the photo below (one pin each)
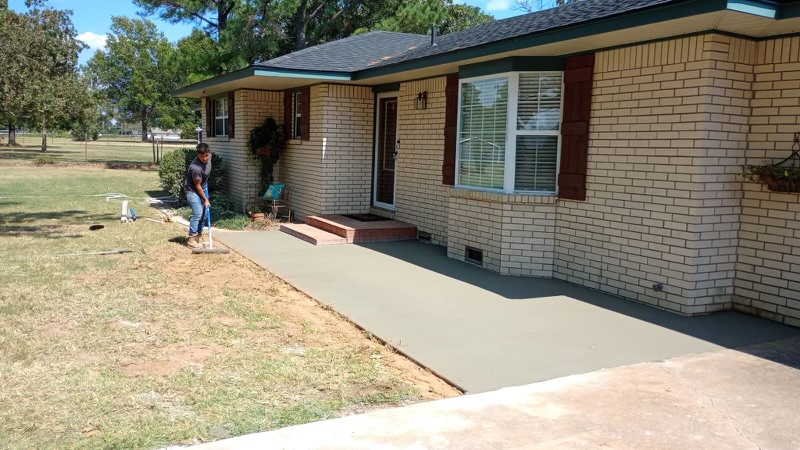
(219, 127)
(539, 105)
(482, 138)
(536, 163)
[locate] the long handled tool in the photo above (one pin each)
(210, 248)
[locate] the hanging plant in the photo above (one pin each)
(266, 144)
(783, 176)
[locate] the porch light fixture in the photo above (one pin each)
(422, 100)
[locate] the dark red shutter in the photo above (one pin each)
(305, 113)
(578, 73)
(450, 130)
(287, 114)
(209, 117)
(231, 115)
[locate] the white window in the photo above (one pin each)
(298, 116)
(509, 135)
(221, 117)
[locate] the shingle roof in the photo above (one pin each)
(513, 27)
(384, 48)
(350, 54)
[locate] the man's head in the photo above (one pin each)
(203, 152)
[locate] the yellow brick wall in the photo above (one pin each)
(667, 135)
(421, 199)
(242, 174)
(347, 126)
(768, 269)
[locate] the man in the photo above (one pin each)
(196, 179)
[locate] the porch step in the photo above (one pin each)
(311, 234)
(356, 231)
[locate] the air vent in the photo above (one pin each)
(424, 237)
(474, 256)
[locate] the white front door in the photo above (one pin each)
(386, 147)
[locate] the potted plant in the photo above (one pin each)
(777, 177)
(266, 144)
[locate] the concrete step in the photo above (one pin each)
(311, 234)
(358, 231)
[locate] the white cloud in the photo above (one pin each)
(94, 41)
(498, 5)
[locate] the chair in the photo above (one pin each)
(276, 197)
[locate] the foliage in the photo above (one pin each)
(418, 16)
(779, 178)
(42, 160)
(172, 172)
(538, 5)
(137, 72)
(266, 144)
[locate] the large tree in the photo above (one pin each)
(418, 16)
(538, 5)
(137, 72)
(39, 80)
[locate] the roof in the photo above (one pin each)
(350, 54)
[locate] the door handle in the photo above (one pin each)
(396, 148)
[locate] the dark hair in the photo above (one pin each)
(203, 148)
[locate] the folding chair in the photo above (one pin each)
(276, 198)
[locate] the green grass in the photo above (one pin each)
(253, 354)
(120, 151)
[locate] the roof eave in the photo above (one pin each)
(237, 78)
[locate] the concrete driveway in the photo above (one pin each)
(482, 331)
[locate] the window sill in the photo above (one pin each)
(501, 197)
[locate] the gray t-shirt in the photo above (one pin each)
(197, 171)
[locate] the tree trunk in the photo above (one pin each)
(300, 26)
(144, 130)
(44, 133)
(12, 134)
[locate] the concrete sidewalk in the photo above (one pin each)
(482, 331)
(719, 400)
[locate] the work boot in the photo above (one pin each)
(193, 242)
(201, 239)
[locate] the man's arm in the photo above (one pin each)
(198, 187)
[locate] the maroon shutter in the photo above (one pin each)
(209, 117)
(305, 113)
(231, 115)
(450, 130)
(578, 73)
(287, 114)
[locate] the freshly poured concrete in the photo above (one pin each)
(483, 331)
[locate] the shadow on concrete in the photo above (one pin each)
(728, 329)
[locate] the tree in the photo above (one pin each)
(137, 72)
(419, 16)
(39, 50)
(538, 5)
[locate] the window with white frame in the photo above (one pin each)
(509, 135)
(221, 117)
(297, 115)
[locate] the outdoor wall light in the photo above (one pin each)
(422, 100)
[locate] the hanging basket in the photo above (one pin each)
(783, 176)
(781, 184)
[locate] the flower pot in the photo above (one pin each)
(258, 217)
(781, 184)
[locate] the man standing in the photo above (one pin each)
(196, 180)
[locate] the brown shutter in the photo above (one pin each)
(578, 73)
(209, 117)
(287, 114)
(305, 113)
(231, 115)
(450, 130)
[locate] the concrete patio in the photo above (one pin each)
(482, 331)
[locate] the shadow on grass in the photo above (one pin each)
(127, 165)
(71, 217)
(40, 231)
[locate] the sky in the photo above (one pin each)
(92, 18)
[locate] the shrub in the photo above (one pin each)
(172, 172)
(43, 160)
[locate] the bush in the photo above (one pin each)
(42, 160)
(172, 172)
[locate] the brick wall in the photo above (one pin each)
(667, 135)
(421, 198)
(769, 255)
(347, 127)
(242, 174)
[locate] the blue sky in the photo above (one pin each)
(92, 18)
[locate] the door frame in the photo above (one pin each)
(375, 151)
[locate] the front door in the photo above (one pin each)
(386, 147)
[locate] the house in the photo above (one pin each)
(599, 142)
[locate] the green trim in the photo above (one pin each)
(390, 87)
(763, 8)
(584, 29)
(258, 71)
(789, 10)
(512, 64)
(233, 76)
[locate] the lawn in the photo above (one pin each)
(159, 347)
(106, 151)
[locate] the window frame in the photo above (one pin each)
(224, 132)
(510, 155)
(297, 113)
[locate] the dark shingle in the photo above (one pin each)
(350, 54)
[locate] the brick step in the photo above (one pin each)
(357, 231)
(311, 234)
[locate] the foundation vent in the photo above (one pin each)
(424, 237)
(474, 256)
